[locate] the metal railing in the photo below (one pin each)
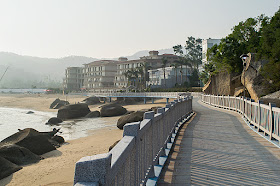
(265, 118)
(143, 94)
(136, 158)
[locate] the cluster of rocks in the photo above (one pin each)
(56, 104)
(80, 110)
(25, 147)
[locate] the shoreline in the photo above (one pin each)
(59, 165)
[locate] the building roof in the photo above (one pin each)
(131, 61)
(102, 62)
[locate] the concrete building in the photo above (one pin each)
(108, 75)
(123, 66)
(172, 76)
(100, 74)
(153, 61)
(206, 44)
(73, 78)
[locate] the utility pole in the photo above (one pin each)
(4, 73)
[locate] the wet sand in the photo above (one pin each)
(58, 166)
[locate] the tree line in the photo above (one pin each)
(259, 35)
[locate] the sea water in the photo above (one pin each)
(12, 119)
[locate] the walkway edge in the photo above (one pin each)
(252, 127)
(158, 169)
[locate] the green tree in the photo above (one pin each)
(206, 73)
(146, 66)
(194, 51)
(175, 66)
(140, 72)
(194, 78)
(164, 63)
(245, 37)
(270, 50)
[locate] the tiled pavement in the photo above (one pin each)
(218, 148)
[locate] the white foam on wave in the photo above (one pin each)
(12, 119)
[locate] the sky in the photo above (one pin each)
(114, 28)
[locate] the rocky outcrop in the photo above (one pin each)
(224, 83)
(129, 118)
(7, 168)
(25, 147)
(60, 140)
(38, 143)
(91, 100)
(56, 104)
(54, 121)
(93, 114)
(18, 155)
(73, 111)
(272, 98)
(253, 79)
(112, 110)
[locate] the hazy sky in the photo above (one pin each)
(113, 28)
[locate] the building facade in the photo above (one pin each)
(74, 78)
(111, 74)
(173, 76)
(99, 74)
(206, 44)
(153, 61)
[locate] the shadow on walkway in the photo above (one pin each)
(217, 149)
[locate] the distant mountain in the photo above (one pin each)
(27, 71)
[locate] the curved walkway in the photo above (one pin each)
(218, 148)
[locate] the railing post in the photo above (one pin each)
(271, 123)
(93, 169)
(235, 104)
(259, 115)
(132, 129)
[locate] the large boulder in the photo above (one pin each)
(7, 168)
(112, 110)
(129, 118)
(24, 147)
(56, 104)
(18, 155)
(155, 109)
(93, 114)
(73, 111)
(61, 104)
(37, 142)
(113, 145)
(60, 140)
(54, 121)
(91, 100)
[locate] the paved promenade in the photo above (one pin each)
(218, 148)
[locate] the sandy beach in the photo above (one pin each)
(58, 166)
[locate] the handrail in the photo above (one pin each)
(265, 118)
(143, 94)
(143, 147)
